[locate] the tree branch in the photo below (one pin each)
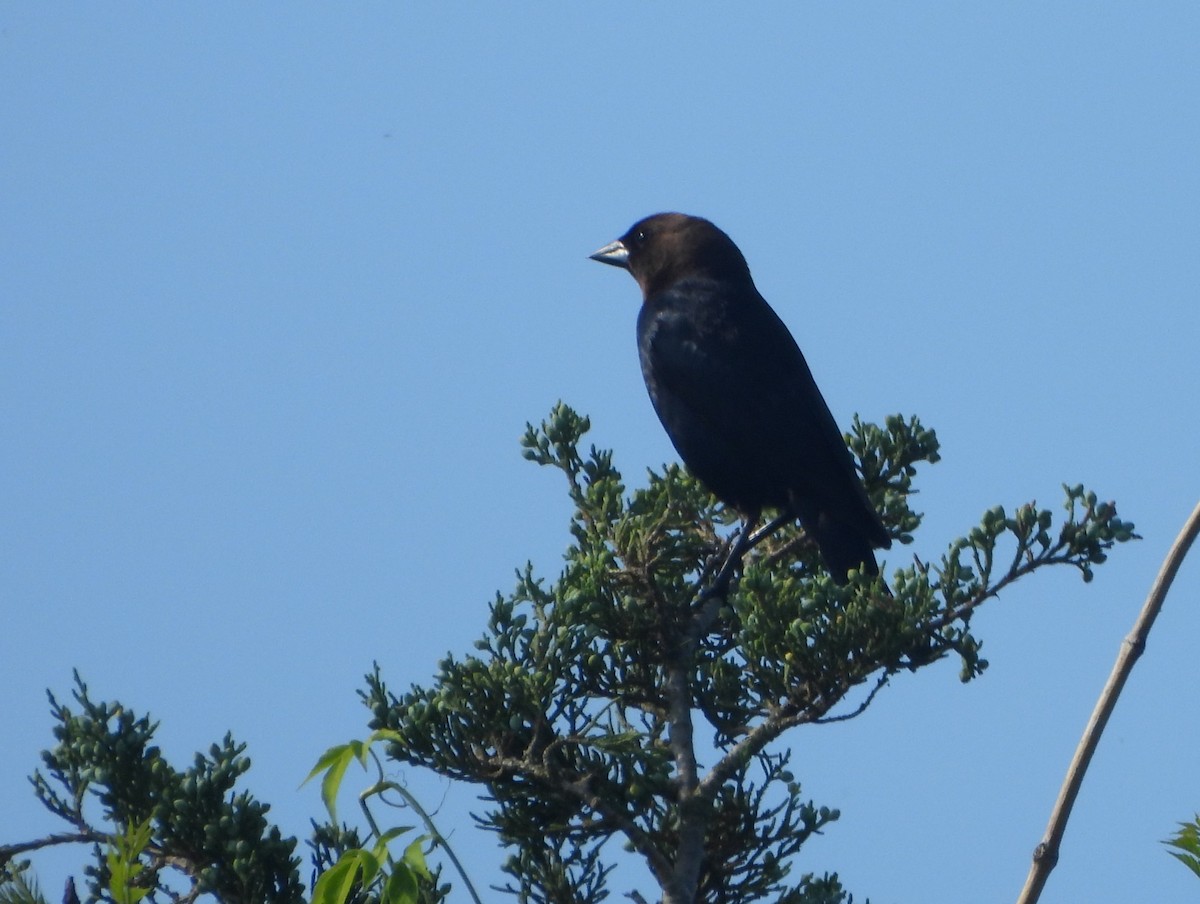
(8, 851)
(880, 683)
(694, 805)
(1045, 856)
(692, 818)
(756, 740)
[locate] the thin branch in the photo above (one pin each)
(8, 851)
(880, 683)
(1045, 856)
(159, 859)
(756, 740)
(992, 591)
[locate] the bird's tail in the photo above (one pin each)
(843, 546)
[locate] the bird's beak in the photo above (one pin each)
(613, 253)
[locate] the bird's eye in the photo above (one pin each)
(639, 237)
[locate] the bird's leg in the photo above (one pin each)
(769, 528)
(745, 539)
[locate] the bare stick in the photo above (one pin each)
(8, 851)
(1045, 856)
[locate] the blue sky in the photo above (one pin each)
(280, 287)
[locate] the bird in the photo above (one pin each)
(735, 393)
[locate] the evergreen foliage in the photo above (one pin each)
(643, 694)
(579, 711)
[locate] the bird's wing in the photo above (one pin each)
(737, 370)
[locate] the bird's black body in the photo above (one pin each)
(734, 392)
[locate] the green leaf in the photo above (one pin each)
(1187, 844)
(380, 848)
(336, 883)
(414, 856)
(334, 763)
(384, 734)
(401, 887)
(21, 889)
(371, 865)
(327, 758)
(124, 867)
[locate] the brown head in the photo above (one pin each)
(667, 247)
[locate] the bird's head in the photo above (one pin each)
(665, 248)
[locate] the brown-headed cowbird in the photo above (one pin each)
(734, 392)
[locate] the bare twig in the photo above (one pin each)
(1045, 856)
(8, 851)
(880, 683)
